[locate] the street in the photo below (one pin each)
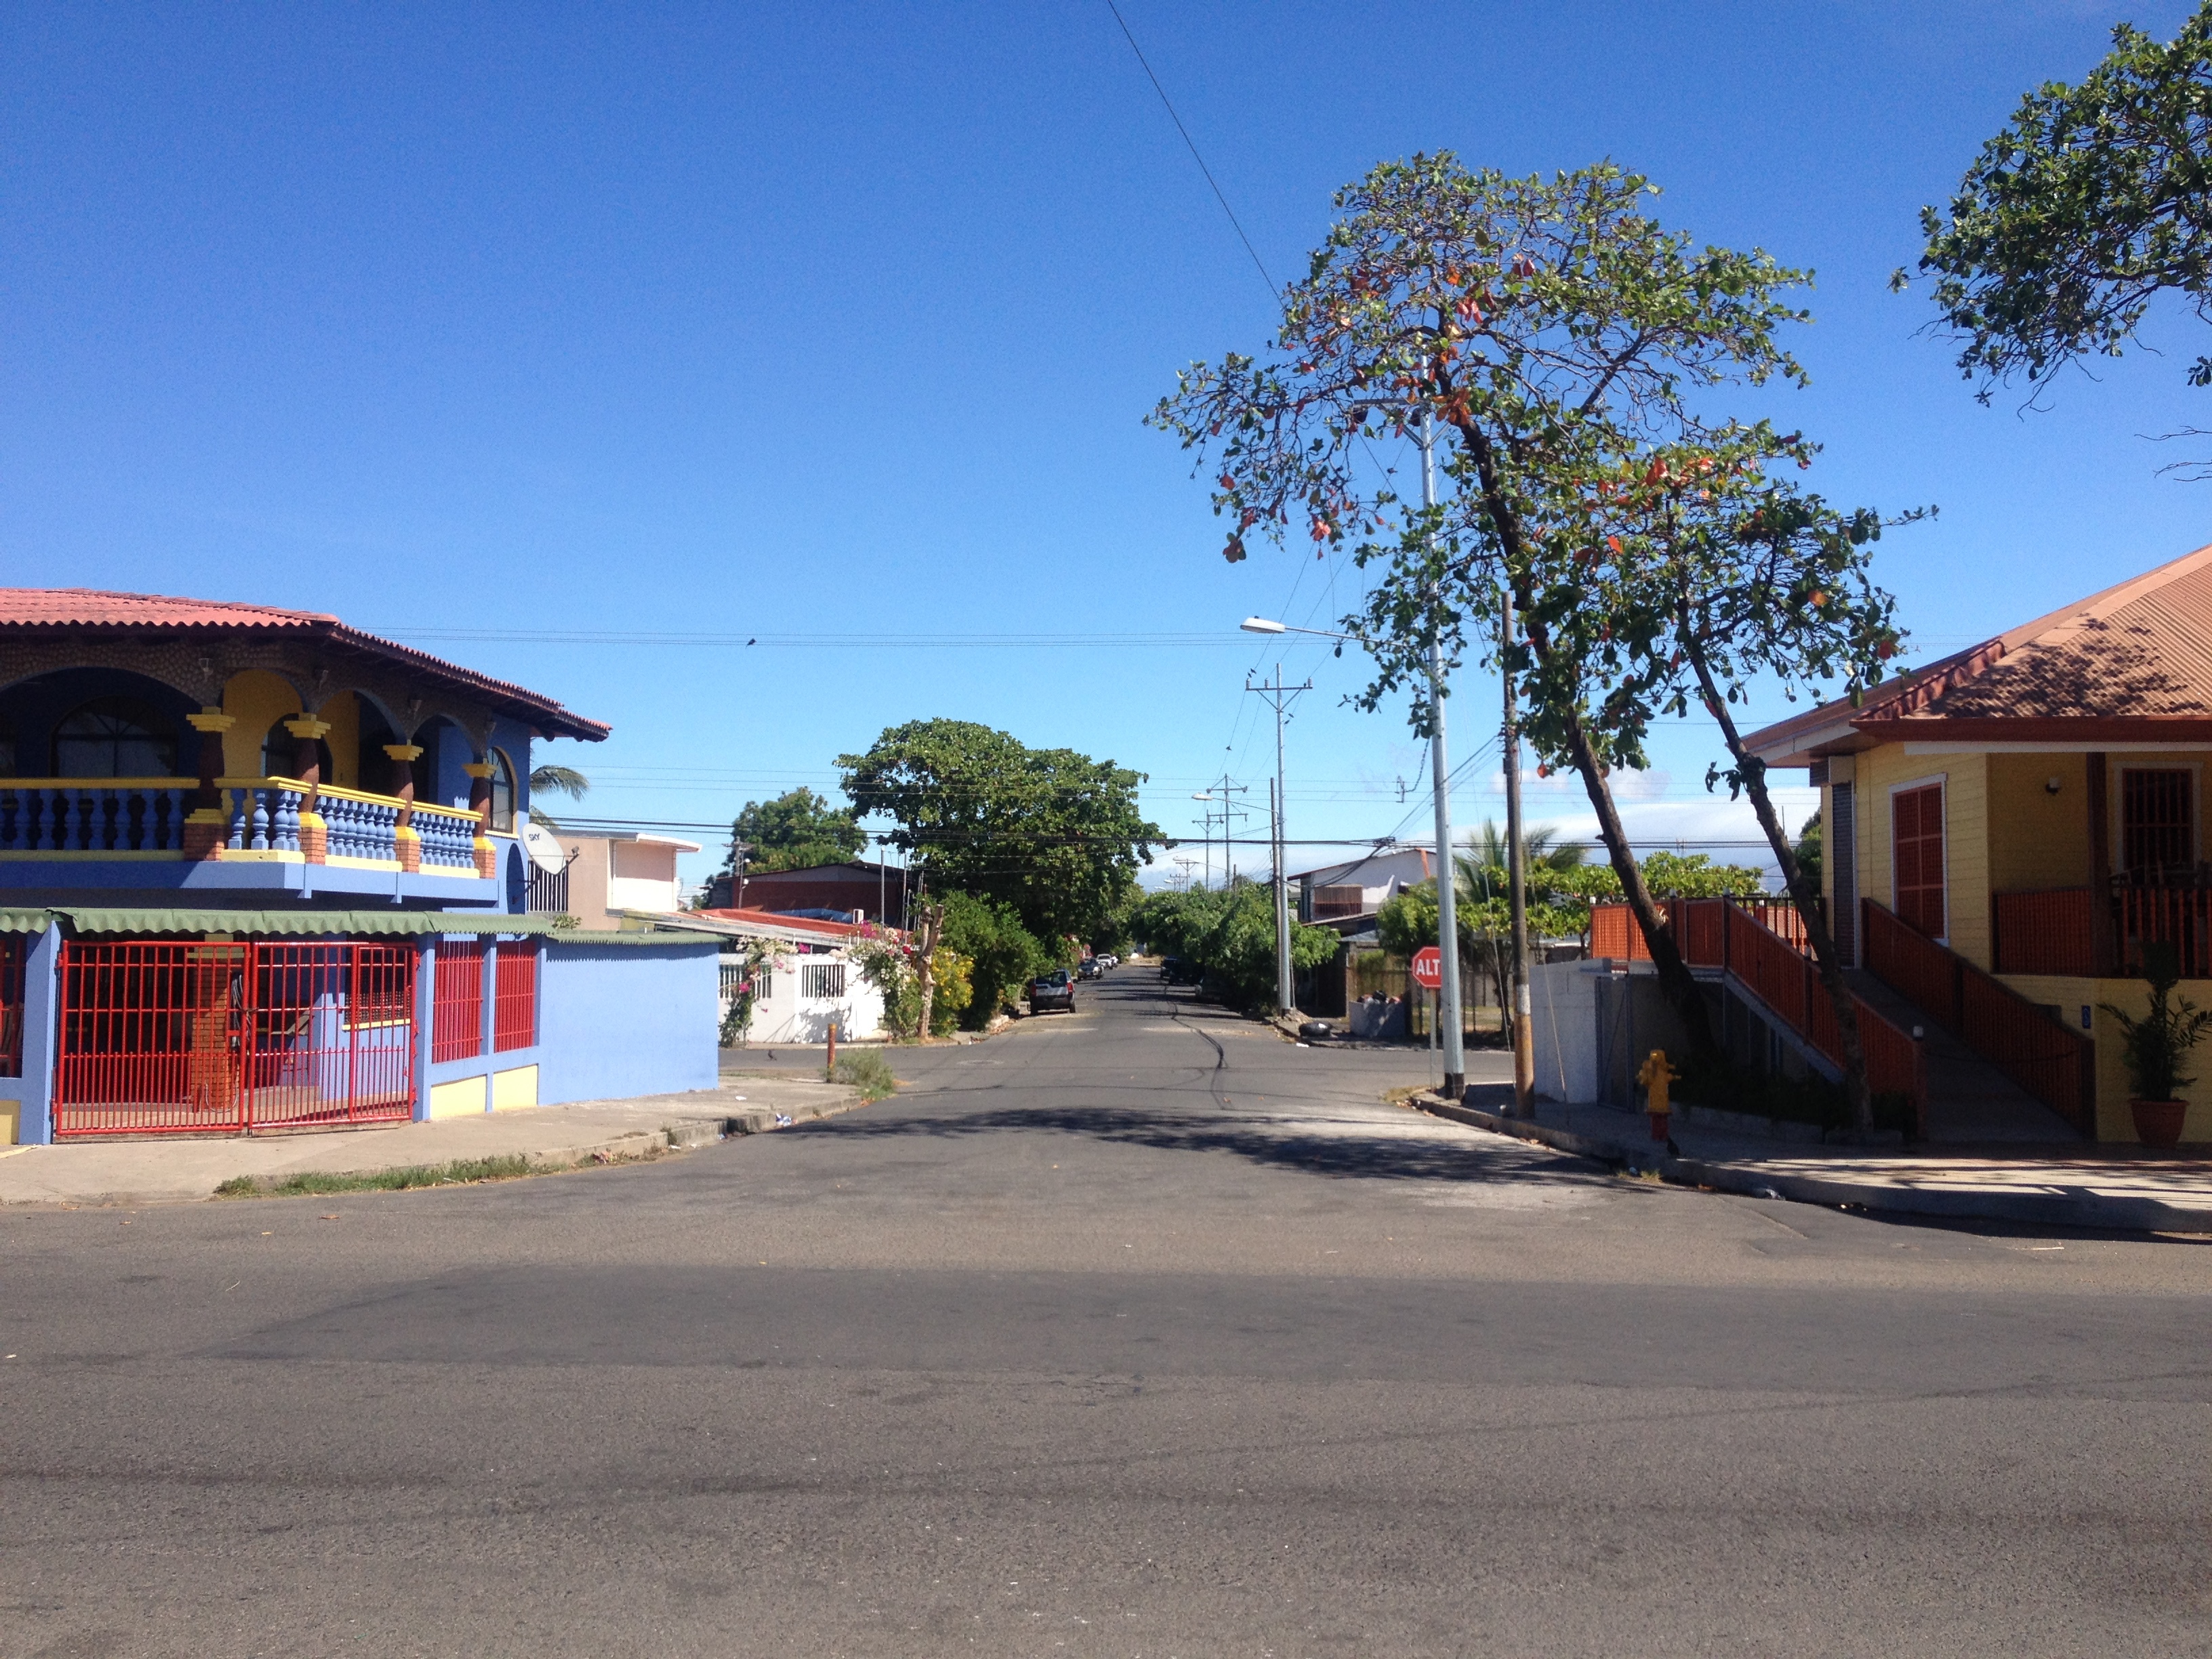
(1139, 1332)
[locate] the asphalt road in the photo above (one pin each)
(1136, 1333)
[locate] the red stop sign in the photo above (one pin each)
(1429, 968)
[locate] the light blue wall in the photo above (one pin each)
(33, 1092)
(627, 1020)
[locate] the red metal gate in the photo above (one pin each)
(172, 1037)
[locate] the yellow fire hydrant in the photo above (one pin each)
(1654, 1074)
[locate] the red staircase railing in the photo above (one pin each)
(1762, 943)
(2054, 1064)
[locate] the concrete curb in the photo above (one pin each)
(2073, 1209)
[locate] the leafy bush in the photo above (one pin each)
(867, 1071)
(1002, 955)
(1230, 937)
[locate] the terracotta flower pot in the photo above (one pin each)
(2158, 1122)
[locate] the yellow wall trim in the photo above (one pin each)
(101, 858)
(462, 1097)
(516, 1087)
(11, 1122)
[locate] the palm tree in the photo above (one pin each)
(555, 781)
(1479, 874)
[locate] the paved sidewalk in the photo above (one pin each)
(2072, 1185)
(179, 1169)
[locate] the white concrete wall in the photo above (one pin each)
(1563, 998)
(785, 1016)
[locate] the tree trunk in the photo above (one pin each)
(1802, 893)
(1676, 982)
(932, 916)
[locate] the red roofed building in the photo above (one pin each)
(260, 869)
(2007, 828)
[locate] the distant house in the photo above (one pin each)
(1338, 892)
(854, 889)
(613, 873)
(1346, 897)
(799, 971)
(2009, 827)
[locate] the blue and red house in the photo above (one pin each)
(261, 870)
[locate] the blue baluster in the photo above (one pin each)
(285, 826)
(11, 819)
(260, 841)
(238, 803)
(173, 840)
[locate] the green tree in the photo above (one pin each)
(1003, 955)
(2087, 206)
(1055, 835)
(1547, 329)
(1808, 850)
(1229, 934)
(796, 830)
(1701, 574)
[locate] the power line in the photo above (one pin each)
(1193, 147)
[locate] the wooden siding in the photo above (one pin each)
(2039, 840)
(1966, 836)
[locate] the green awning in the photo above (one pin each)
(25, 921)
(94, 919)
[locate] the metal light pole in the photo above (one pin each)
(1454, 1054)
(1517, 879)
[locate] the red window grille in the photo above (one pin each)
(1917, 847)
(514, 1002)
(13, 950)
(2157, 827)
(164, 1037)
(457, 1018)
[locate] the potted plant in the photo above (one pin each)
(2156, 1046)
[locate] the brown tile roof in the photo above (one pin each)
(35, 612)
(2132, 662)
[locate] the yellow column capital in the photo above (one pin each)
(305, 726)
(477, 769)
(404, 751)
(212, 719)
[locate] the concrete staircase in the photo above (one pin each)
(1969, 1100)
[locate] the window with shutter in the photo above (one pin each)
(1916, 849)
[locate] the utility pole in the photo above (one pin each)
(1230, 810)
(1455, 1053)
(1280, 698)
(738, 851)
(1516, 878)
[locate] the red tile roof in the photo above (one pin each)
(2134, 661)
(36, 612)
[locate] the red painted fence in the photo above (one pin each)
(1763, 943)
(168, 1037)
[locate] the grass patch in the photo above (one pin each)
(310, 1183)
(868, 1072)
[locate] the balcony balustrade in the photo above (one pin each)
(145, 817)
(2052, 932)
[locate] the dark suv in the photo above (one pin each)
(1053, 990)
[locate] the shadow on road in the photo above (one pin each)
(1341, 1151)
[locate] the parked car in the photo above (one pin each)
(1089, 970)
(1053, 990)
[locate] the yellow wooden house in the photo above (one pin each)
(2006, 829)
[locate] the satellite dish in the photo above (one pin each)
(545, 852)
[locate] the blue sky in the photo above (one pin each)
(832, 326)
